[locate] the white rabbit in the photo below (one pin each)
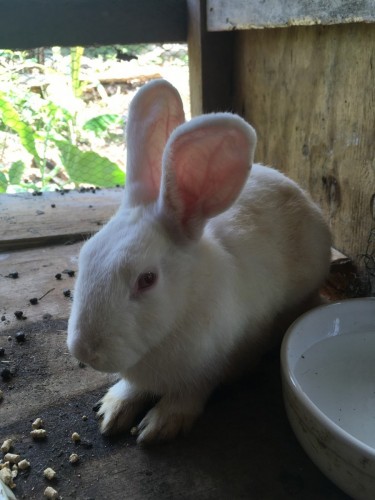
(199, 262)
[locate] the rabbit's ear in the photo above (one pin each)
(154, 113)
(205, 165)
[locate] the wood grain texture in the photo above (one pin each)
(27, 220)
(37, 269)
(310, 93)
(246, 14)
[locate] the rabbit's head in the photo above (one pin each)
(137, 273)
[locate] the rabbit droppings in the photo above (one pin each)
(197, 263)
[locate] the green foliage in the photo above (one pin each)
(52, 124)
(89, 167)
(14, 176)
(12, 119)
(16, 171)
(100, 124)
(4, 182)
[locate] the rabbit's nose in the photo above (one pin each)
(81, 349)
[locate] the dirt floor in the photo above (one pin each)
(242, 447)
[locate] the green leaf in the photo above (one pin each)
(88, 167)
(3, 183)
(12, 119)
(101, 123)
(16, 171)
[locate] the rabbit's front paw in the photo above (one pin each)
(167, 419)
(119, 407)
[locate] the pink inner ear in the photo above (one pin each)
(152, 138)
(209, 165)
(155, 112)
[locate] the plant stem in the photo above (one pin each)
(44, 161)
(75, 69)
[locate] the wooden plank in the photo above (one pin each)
(90, 22)
(246, 14)
(310, 93)
(210, 63)
(27, 220)
(36, 269)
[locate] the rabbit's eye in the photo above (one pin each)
(146, 280)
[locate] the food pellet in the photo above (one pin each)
(73, 459)
(4, 465)
(38, 434)
(76, 437)
(23, 464)
(84, 418)
(7, 445)
(51, 493)
(13, 458)
(6, 477)
(49, 473)
(37, 424)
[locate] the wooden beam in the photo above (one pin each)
(210, 63)
(246, 14)
(29, 221)
(25, 24)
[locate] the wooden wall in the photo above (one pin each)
(310, 93)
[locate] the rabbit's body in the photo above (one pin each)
(218, 308)
(183, 284)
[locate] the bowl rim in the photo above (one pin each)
(344, 436)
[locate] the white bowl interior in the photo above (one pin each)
(330, 353)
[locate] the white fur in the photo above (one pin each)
(222, 279)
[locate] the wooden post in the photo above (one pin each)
(210, 63)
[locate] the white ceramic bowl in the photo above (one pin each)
(328, 372)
